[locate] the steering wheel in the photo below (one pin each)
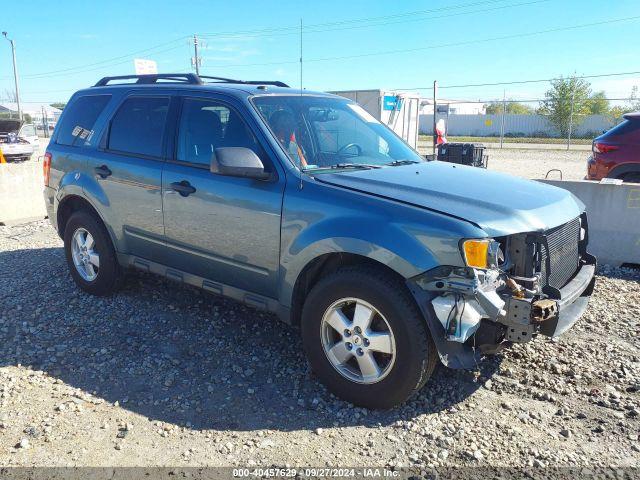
(350, 145)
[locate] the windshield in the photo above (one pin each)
(327, 133)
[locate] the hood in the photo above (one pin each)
(498, 203)
(7, 126)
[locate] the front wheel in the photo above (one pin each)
(366, 339)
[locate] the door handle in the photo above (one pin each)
(102, 171)
(184, 188)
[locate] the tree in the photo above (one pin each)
(513, 107)
(631, 105)
(59, 105)
(598, 104)
(559, 99)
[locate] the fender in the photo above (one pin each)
(403, 249)
(79, 184)
(322, 218)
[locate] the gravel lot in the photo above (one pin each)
(535, 163)
(165, 375)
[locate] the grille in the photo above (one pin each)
(562, 252)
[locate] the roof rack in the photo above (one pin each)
(190, 78)
(275, 83)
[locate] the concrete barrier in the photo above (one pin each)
(614, 218)
(21, 188)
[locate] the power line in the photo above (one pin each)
(519, 82)
(127, 56)
(294, 29)
(311, 29)
(443, 45)
(278, 30)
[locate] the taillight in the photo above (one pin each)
(46, 168)
(604, 147)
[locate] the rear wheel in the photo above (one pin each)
(90, 254)
(366, 339)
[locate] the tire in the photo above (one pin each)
(108, 274)
(414, 356)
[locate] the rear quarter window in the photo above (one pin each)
(76, 125)
(625, 128)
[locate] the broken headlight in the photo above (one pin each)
(482, 253)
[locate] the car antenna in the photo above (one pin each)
(300, 158)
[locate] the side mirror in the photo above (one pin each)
(238, 162)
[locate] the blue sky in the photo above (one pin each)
(260, 40)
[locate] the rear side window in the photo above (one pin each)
(76, 127)
(138, 126)
(626, 127)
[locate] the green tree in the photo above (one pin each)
(598, 104)
(631, 105)
(59, 105)
(495, 108)
(559, 99)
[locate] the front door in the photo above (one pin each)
(226, 229)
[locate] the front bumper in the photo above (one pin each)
(519, 322)
(573, 301)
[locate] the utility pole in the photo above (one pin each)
(435, 110)
(196, 61)
(15, 74)
(573, 92)
(504, 109)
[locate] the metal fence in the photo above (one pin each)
(474, 111)
(514, 125)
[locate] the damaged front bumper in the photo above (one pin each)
(471, 315)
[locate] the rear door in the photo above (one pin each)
(228, 228)
(128, 169)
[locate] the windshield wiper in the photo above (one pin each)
(395, 163)
(337, 166)
(354, 165)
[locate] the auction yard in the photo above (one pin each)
(163, 374)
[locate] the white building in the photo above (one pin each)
(452, 107)
(35, 110)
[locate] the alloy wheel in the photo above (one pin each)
(358, 340)
(85, 257)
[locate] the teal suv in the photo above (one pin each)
(303, 204)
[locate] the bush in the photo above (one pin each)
(515, 135)
(540, 134)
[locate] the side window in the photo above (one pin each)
(138, 126)
(206, 125)
(76, 127)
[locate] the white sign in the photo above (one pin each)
(145, 67)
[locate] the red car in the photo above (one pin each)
(616, 153)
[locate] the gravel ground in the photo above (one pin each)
(166, 375)
(535, 163)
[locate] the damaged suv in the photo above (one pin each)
(304, 205)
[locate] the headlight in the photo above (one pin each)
(484, 253)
